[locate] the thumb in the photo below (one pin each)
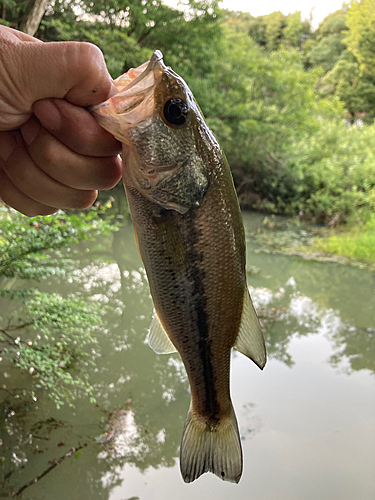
(32, 71)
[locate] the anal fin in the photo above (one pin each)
(157, 337)
(250, 339)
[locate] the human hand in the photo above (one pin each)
(53, 154)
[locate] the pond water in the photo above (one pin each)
(307, 421)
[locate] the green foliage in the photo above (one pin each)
(288, 152)
(13, 11)
(30, 247)
(334, 23)
(60, 23)
(347, 58)
(324, 46)
(48, 337)
(360, 38)
(356, 91)
(326, 52)
(128, 31)
(334, 172)
(278, 30)
(357, 242)
(259, 104)
(275, 24)
(58, 330)
(272, 90)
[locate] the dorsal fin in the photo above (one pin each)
(250, 340)
(157, 337)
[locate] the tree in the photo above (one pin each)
(350, 73)
(129, 31)
(24, 15)
(356, 91)
(334, 23)
(33, 16)
(360, 38)
(275, 24)
(257, 104)
(292, 33)
(238, 21)
(276, 30)
(326, 46)
(326, 52)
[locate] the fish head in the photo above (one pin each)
(166, 142)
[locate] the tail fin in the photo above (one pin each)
(211, 449)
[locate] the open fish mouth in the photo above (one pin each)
(134, 100)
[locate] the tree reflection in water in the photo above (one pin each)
(143, 398)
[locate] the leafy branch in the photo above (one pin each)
(31, 247)
(49, 337)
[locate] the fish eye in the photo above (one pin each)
(176, 111)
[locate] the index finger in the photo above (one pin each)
(76, 128)
(75, 71)
(10, 33)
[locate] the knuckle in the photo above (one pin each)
(47, 153)
(83, 199)
(90, 60)
(89, 51)
(45, 150)
(85, 141)
(112, 175)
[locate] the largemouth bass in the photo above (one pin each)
(191, 240)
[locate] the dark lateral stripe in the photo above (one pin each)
(196, 276)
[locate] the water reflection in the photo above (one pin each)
(289, 313)
(143, 398)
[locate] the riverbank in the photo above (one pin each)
(356, 243)
(349, 245)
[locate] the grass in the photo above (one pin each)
(355, 243)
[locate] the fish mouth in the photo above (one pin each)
(134, 99)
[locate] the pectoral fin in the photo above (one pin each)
(157, 337)
(250, 340)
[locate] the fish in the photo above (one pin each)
(190, 236)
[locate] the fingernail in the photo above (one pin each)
(48, 114)
(30, 130)
(7, 145)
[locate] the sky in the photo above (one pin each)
(260, 8)
(321, 7)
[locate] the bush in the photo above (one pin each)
(334, 172)
(47, 336)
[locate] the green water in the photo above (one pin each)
(307, 421)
